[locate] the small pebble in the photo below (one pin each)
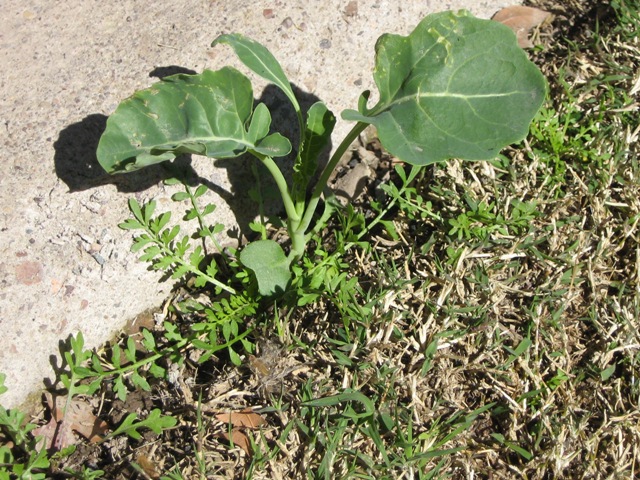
(98, 258)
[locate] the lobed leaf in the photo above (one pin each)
(457, 86)
(317, 134)
(204, 114)
(148, 341)
(155, 422)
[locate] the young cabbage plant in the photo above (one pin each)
(455, 87)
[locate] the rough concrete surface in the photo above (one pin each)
(65, 266)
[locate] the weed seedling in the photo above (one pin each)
(456, 87)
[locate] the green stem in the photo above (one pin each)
(201, 221)
(324, 179)
(293, 216)
(349, 245)
(169, 251)
(283, 187)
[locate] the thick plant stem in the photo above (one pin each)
(298, 242)
(298, 225)
(303, 226)
(293, 216)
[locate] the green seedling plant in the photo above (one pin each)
(455, 87)
(20, 456)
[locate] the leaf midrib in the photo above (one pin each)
(418, 96)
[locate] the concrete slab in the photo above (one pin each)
(65, 266)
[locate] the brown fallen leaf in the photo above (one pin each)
(78, 417)
(238, 439)
(246, 418)
(521, 20)
(148, 466)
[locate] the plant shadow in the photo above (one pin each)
(77, 166)
(59, 365)
(75, 158)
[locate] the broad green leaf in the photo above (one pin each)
(274, 145)
(317, 133)
(269, 264)
(457, 86)
(260, 60)
(260, 123)
(205, 114)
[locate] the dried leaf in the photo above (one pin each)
(79, 418)
(53, 438)
(521, 20)
(148, 466)
(245, 418)
(258, 366)
(239, 439)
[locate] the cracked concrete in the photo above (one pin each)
(65, 266)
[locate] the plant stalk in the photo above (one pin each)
(303, 225)
(283, 187)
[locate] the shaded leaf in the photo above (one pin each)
(68, 417)
(456, 87)
(318, 129)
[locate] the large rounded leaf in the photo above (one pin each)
(457, 86)
(206, 114)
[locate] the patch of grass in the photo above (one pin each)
(468, 320)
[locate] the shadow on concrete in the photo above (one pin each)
(59, 366)
(77, 166)
(161, 72)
